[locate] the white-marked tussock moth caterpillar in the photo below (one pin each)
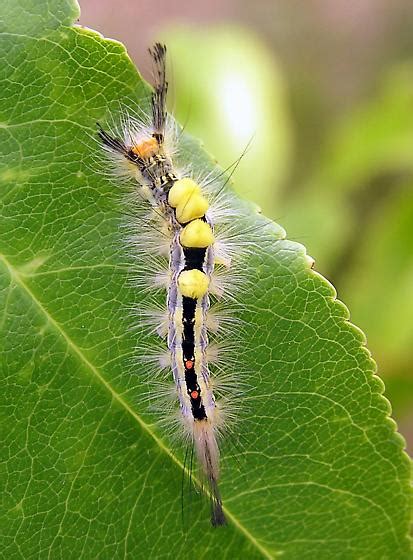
(181, 228)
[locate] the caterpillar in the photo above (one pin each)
(182, 217)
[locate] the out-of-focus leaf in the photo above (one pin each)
(227, 85)
(375, 140)
(382, 272)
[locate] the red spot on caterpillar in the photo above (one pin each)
(194, 394)
(189, 364)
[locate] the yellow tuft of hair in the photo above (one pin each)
(196, 207)
(197, 234)
(193, 283)
(186, 197)
(181, 191)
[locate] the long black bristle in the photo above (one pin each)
(218, 518)
(110, 141)
(217, 513)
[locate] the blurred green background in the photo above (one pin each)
(321, 92)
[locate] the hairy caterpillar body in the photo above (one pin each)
(181, 214)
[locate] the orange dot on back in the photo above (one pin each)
(146, 149)
(194, 394)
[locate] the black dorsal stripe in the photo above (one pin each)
(188, 352)
(194, 258)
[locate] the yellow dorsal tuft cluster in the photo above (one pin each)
(193, 283)
(197, 234)
(190, 206)
(187, 199)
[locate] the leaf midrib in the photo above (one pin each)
(16, 277)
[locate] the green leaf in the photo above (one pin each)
(86, 473)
